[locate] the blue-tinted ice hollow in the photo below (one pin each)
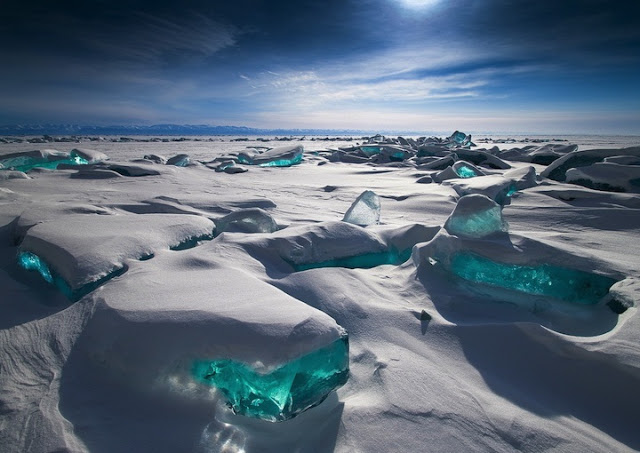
(569, 285)
(365, 210)
(476, 216)
(283, 392)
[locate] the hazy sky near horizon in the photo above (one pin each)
(570, 66)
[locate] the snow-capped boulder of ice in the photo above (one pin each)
(444, 175)
(179, 160)
(623, 160)
(466, 170)
(95, 173)
(347, 157)
(282, 156)
(12, 174)
(459, 139)
(607, 176)
(129, 169)
(558, 169)
(85, 250)
(539, 277)
(386, 152)
(90, 155)
(365, 210)
(322, 242)
(155, 158)
(26, 161)
(482, 158)
(437, 163)
(543, 155)
(476, 216)
(185, 319)
(250, 220)
(221, 166)
(496, 187)
(523, 178)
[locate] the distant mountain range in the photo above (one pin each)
(159, 129)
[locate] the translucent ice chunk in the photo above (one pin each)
(371, 150)
(561, 283)
(250, 220)
(466, 170)
(365, 210)
(460, 139)
(282, 162)
(284, 156)
(180, 160)
(284, 392)
(27, 163)
(476, 216)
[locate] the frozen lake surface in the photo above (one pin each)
(470, 301)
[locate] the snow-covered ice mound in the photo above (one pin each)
(48, 158)
(79, 252)
(558, 169)
(543, 154)
(283, 156)
(607, 176)
(182, 319)
(485, 259)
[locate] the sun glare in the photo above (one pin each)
(417, 4)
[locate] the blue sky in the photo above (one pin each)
(570, 66)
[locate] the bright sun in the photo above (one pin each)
(417, 4)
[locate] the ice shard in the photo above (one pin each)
(365, 210)
(281, 393)
(570, 285)
(459, 139)
(466, 170)
(250, 220)
(476, 216)
(283, 156)
(180, 160)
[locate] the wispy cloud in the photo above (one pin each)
(158, 38)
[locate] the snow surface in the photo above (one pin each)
(436, 364)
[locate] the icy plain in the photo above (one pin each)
(170, 266)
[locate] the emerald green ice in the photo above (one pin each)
(477, 224)
(27, 163)
(284, 392)
(32, 262)
(282, 162)
(465, 172)
(570, 285)
(371, 150)
(365, 261)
